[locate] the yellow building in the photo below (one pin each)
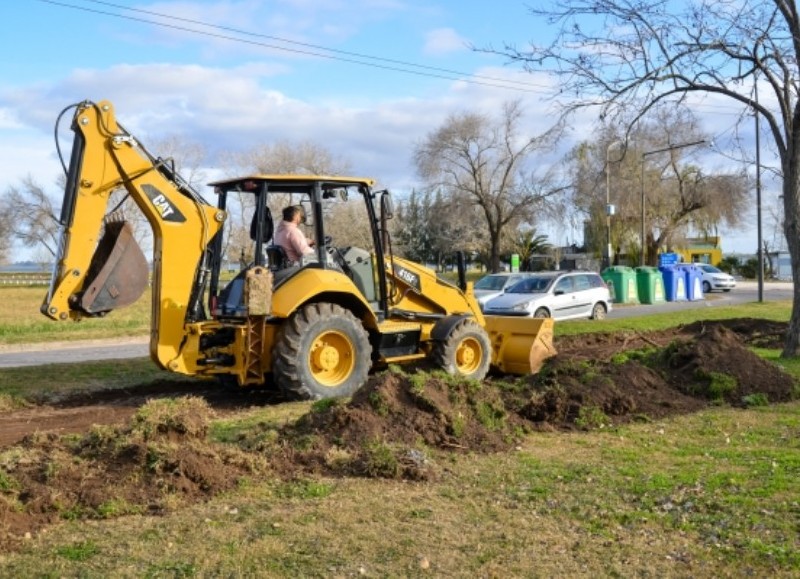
(701, 250)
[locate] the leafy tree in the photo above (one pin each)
(413, 239)
(621, 56)
(480, 162)
(749, 269)
(730, 264)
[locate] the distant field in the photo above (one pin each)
(22, 322)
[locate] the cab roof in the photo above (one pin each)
(291, 181)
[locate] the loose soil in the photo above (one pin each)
(147, 450)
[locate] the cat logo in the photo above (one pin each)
(166, 210)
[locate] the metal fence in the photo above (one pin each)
(25, 279)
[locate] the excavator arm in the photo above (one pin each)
(93, 275)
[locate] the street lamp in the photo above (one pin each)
(646, 154)
(609, 207)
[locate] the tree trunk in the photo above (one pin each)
(494, 252)
(791, 210)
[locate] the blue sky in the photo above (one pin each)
(231, 95)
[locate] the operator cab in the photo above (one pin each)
(324, 201)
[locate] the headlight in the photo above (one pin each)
(521, 307)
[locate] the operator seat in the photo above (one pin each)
(276, 255)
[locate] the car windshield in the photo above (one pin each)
(532, 285)
(710, 269)
(491, 282)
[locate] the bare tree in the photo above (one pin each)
(32, 216)
(281, 158)
(680, 200)
(188, 157)
(621, 55)
(6, 234)
(284, 157)
(479, 161)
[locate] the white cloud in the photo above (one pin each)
(230, 109)
(443, 41)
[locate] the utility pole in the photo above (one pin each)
(758, 201)
(609, 206)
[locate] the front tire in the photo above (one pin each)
(322, 351)
(541, 313)
(465, 351)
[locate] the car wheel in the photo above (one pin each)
(541, 313)
(599, 311)
(706, 287)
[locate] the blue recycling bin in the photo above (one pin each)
(674, 283)
(694, 280)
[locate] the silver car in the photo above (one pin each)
(492, 285)
(554, 294)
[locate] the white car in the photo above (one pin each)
(715, 279)
(492, 285)
(554, 294)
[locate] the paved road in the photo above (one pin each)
(11, 357)
(82, 351)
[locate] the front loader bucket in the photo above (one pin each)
(520, 345)
(118, 273)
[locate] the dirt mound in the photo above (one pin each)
(397, 426)
(616, 378)
(392, 425)
(160, 461)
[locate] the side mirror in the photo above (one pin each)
(387, 205)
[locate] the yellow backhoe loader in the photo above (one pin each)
(313, 329)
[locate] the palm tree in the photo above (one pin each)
(527, 244)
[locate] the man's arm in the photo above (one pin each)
(299, 242)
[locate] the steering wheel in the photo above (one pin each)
(337, 256)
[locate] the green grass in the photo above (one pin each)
(777, 311)
(708, 494)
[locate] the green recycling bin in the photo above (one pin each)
(621, 280)
(650, 284)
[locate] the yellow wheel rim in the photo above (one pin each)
(332, 358)
(469, 356)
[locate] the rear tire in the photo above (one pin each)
(322, 351)
(599, 311)
(466, 351)
(706, 287)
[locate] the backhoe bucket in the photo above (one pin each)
(520, 345)
(118, 273)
